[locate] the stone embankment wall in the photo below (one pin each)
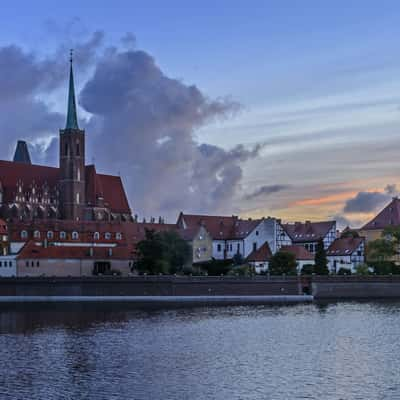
(151, 286)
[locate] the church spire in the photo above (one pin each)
(72, 120)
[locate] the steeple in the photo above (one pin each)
(72, 120)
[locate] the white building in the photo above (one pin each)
(8, 266)
(346, 253)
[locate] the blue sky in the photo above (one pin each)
(318, 83)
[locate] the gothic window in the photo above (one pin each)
(24, 234)
(36, 235)
(75, 235)
(63, 235)
(96, 236)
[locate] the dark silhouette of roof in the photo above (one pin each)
(389, 216)
(21, 154)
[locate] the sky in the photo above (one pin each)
(281, 108)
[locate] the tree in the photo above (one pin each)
(380, 250)
(162, 252)
(283, 263)
(321, 262)
(308, 269)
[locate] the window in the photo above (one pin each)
(75, 235)
(238, 247)
(118, 236)
(32, 264)
(230, 247)
(26, 263)
(218, 247)
(36, 235)
(63, 235)
(256, 233)
(24, 234)
(37, 263)
(50, 235)
(107, 235)
(1, 263)
(77, 149)
(254, 246)
(10, 263)
(78, 174)
(96, 236)
(66, 149)
(77, 198)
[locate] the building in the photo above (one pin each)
(308, 234)
(232, 235)
(388, 217)
(259, 259)
(200, 242)
(71, 191)
(302, 255)
(347, 253)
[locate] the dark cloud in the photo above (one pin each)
(365, 202)
(143, 124)
(266, 190)
(26, 81)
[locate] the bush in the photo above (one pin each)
(216, 267)
(237, 259)
(242, 270)
(362, 269)
(283, 263)
(384, 267)
(308, 269)
(344, 271)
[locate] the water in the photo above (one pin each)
(337, 351)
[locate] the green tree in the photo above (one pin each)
(308, 269)
(380, 250)
(362, 269)
(283, 263)
(321, 262)
(162, 252)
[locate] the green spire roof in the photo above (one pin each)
(72, 120)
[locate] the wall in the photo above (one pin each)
(202, 246)
(65, 267)
(356, 287)
(8, 266)
(265, 231)
(149, 286)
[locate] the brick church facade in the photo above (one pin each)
(73, 191)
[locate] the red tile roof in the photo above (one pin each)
(389, 216)
(300, 252)
(262, 254)
(33, 251)
(221, 227)
(344, 246)
(308, 231)
(97, 185)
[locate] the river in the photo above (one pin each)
(308, 351)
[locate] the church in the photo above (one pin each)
(72, 191)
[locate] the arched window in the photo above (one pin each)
(36, 235)
(24, 234)
(77, 149)
(96, 236)
(118, 236)
(75, 235)
(107, 235)
(66, 149)
(78, 174)
(77, 198)
(63, 235)
(50, 235)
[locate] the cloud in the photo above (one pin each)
(143, 124)
(365, 202)
(266, 190)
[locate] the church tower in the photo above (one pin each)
(72, 161)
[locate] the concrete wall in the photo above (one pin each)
(149, 286)
(356, 287)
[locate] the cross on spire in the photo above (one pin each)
(72, 120)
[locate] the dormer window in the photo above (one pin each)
(24, 234)
(63, 235)
(50, 235)
(75, 235)
(36, 235)
(96, 236)
(107, 235)
(118, 236)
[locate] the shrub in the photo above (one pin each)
(216, 267)
(308, 269)
(283, 263)
(362, 269)
(344, 271)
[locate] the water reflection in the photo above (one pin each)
(313, 351)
